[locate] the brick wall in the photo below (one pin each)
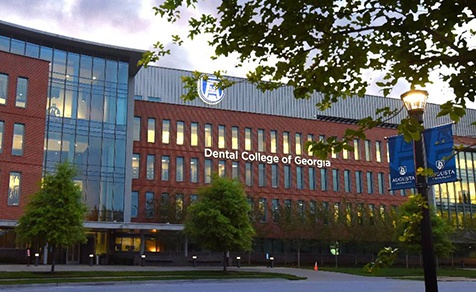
(33, 117)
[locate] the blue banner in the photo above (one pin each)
(439, 154)
(402, 163)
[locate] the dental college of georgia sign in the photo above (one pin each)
(263, 158)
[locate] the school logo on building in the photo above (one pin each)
(402, 170)
(440, 164)
(208, 90)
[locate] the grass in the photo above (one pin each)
(403, 273)
(16, 278)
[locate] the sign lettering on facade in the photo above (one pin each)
(263, 158)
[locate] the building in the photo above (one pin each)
(144, 152)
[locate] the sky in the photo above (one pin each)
(133, 24)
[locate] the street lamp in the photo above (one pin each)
(415, 102)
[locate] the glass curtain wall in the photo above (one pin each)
(86, 122)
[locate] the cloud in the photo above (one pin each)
(122, 15)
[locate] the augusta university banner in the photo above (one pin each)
(438, 143)
(402, 164)
(439, 154)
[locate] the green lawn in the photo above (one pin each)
(403, 273)
(15, 278)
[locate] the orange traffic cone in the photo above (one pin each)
(315, 266)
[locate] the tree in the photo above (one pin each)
(219, 220)
(327, 47)
(54, 215)
(409, 232)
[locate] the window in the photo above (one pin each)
(221, 168)
(358, 182)
(2, 125)
(135, 165)
(208, 135)
(208, 171)
(312, 178)
(356, 149)
(275, 210)
(336, 211)
(370, 182)
(134, 204)
(179, 168)
(165, 168)
(235, 170)
(298, 143)
(22, 92)
(166, 131)
(149, 205)
(371, 213)
(310, 138)
(151, 130)
(287, 176)
(325, 209)
(389, 179)
(347, 186)
(194, 134)
(286, 142)
(234, 138)
(18, 134)
(261, 140)
(299, 178)
(194, 170)
(334, 153)
(261, 174)
(164, 207)
(368, 151)
(378, 151)
(3, 88)
(345, 153)
(221, 137)
(179, 206)
(312, 207)
(301, 208)
(382, 211)
(381, 183)
(287, 209)
(323, 179)
(14, 188)
(274, 142)
(248, 139)
(249, 174)
(262, 208)
(136, 130)
(274, 176)
(335, 180)
(180, 132)
(150, 167)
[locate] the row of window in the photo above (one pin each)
(261, 136)
(162, 205)
(21, 90)
(300, 172)
(18, 137)
(167, 206)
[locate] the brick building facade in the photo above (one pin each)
(22, 130)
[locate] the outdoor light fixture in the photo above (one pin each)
(415, 100)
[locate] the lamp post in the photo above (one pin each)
(415, 102)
